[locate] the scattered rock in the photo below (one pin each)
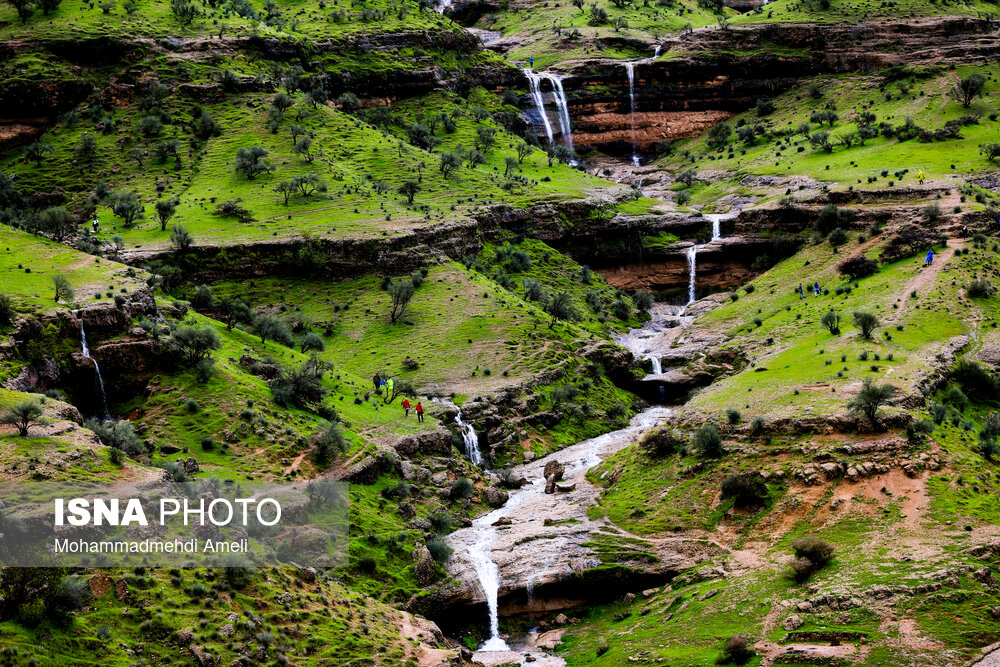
(793, 622)
(423, 568)
(495, 497)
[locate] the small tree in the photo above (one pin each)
(736, 651)
(181, 239)
(449, 162)
(400, 292)
(251, 162)
(524, 150)
(22, 415)
(56, 221)
(234, 311)
(286, 189)
(303, 148)
(870, 398)
(867, 323)
(510, 164)
(311, 342)
(968, 89)
(269, 326)
(37, 151)
(195, 343)
(63, 290)
(184, 10)
(165, 209)
(24, 9)
(822, 141)
(560, 307)
(991, 151)
(348, 102)
(831, 321)
(409, 189)
(857, 267)
(127, 206)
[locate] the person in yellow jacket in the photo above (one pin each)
(920, 176)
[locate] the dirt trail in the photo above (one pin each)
(925, 281)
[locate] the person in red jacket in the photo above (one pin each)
(406, 407)
(420, 412)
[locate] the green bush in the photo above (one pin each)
(747, 489)
(706, 441)
(661, 441)
(440, 551)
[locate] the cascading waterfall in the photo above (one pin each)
(630, 71)
(443, 5)
(692, 257)
(559, 95)
(471, 440)
(489, 579)
(534, 85)
(716, 226)
(657, 368)
(656, 52)
(105, 415)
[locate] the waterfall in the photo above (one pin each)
(716, 225)
(657, 368)
(692, 257)
(442, 5)
(471, 440)
(559, 95)
(630, 71)
(105, 415)
(534, 84)
(489, 580)
(656, 52)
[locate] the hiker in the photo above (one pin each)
(930, 257)
(965, 231)
(406, 407)
(802, 292)
(420, 412)
(816, 289)
(96, 225)
(531, 62)
(920, 176)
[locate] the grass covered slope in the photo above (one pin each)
(917, 127)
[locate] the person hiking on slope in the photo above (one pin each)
(420, 412)
(920, 176)
(816, 289)
(930, 258)
(802, 292)
(406, 407)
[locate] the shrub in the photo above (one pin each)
(116, 457)
(440, 551)
(831, 321)
(706, 441)
(208, 443)
(195, 343)
(747, 489)
(916, 430)
(974, 379)
(857, 267)
(870, 398)
(837, 237)
(980, 289)
(440, 522)
(757, 425)
(733, 416)
(938, 412)
(311, 342)
(117, 434)
(400, 491)
(191, 405)
(461, 488)
(662, 441)
(329, 445)
(811, 554)
(22, 415)
(736, 651)
(866, 322)
(955, 397)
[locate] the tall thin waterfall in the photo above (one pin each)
(100, 380)
(655, 360)
(559, 95)
(656, 52)
(471, 440)
(534, 84)
(480, 555)
(630, 71)
(692, 257)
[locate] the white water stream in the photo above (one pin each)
(630, 72)
(105, 415)
(558, 96)
(489, 551)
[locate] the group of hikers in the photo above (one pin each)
(419, 409)
(815, 289)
